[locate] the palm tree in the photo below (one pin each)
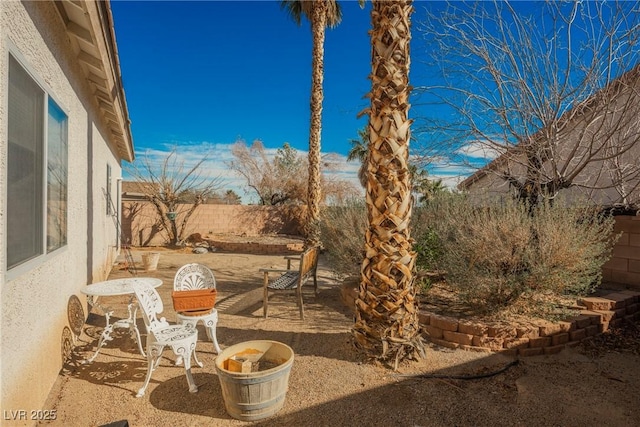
(431, 189)
(387, 326)
(321, 14)
(423, 188)
(360, 151)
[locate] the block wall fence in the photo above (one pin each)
(139, 227)
(624, 265)
(139, 221)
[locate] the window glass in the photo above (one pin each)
(24, 167)
(36, 170)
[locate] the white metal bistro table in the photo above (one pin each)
(111, 288)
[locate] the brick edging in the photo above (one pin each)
(598, 314)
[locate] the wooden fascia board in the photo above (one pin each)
(94, 27)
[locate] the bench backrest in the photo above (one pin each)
(308, 262)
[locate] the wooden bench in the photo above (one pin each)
(292, 280)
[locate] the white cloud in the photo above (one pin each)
(219, 155)
(190, 154)
(478, 150)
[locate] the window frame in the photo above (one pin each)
(44, 255)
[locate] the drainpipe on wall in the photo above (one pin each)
(118, 213)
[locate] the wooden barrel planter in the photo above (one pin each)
(254, 377)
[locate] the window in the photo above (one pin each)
(36, 170)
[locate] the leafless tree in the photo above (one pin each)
(175, 189)
(551, 88)
(282, 178)
(275, 180)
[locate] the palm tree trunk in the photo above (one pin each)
(387, 326)
(314, 191)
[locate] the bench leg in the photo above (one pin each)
(299, 292)
(265, 295)
(315, 283)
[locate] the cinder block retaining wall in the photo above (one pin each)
(624, 265)
(597, 316)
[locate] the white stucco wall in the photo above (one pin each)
(104, 236)
(34, 302)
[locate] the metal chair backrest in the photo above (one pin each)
(151, 304)
(194, 276)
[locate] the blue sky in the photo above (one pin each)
(201, 75)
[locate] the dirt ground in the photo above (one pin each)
(329, 383)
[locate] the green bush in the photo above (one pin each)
(429, 250)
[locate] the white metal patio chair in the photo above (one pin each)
(196, 276)
(181, 338)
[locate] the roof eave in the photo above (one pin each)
(91, 32)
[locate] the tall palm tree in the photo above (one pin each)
(321, 14)
(387, 326)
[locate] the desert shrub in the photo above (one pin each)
(342, 231)
(504, 255)
(571, 247)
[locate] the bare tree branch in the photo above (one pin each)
(168, 185)
(560, 82)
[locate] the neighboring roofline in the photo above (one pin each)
(626, 77)
(89, 25)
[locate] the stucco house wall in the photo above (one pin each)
(604, 128)
(34, 295)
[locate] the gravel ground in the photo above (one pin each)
(329, 383)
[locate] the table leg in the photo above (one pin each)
(105, 336)
(129, 322)
(133, 326)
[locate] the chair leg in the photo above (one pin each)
(195, 357)
(210, 327)
(214, 339)
(193, 324)
(187, 363)
(154, 352)
(265, 302)
(193, 388)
